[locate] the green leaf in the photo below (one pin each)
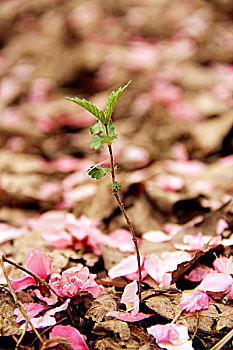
(96, 173)
(115, 186)
(97, 128)
(96, 142)
(112, 100)
(88, 106)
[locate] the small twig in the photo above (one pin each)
(223, 341)
(19, 304)
(176, 318)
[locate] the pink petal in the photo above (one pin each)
(121, 239)
(63, 307)
(130, 297)
(169, 183)
(9, 232)
(197, 274)
(38, 263)
(155, 267)
(194, 301)
(224, 264)
(125, 267)
(41, 322)
(171, 336)
(50, 300)
(128, 316)
(73, 336)
(216, 282)
(221, 226)
(179, 167)
(22, 283)
(58, 239)
(50, 221)
(163, 333)
(156, 236)
(32, 310)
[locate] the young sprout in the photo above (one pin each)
(103, 133)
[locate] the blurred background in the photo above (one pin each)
(178, 55)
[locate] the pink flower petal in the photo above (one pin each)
(216, 282)
(126, 267)
(32, 310)
(128, 316)
(9, 232)
(179, 167)
(63, 307)
(38, 263)
(224, 265)
(130, 297)
(156, 236)
(73, 336)
(22, 283)
(171, 336)
(41, 322)
(58, 239)
(50, 300)
(194, 301)
(197, 274)
(121, 239)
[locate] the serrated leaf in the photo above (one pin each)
(97, 128)
(96, 143)
(90, 107)
(112, 100)
(115, 186)
(96, 173)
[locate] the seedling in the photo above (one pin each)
(103, 133)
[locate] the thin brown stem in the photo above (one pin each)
(122, 208)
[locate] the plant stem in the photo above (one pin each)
(122, 208)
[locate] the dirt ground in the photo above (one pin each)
(174, 154)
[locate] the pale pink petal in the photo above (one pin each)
(7, 232)
(128, 316)
(22, 283)
(50, 221)
(194, 301)
(63, 307)
(50, 300)
(121, 239)
(171, 336)
(79, 228)
(41, 322)
(130, 297)
(169, 183)
(192, 167)
(224, 265)
(221, 226)
(216, 282)
(166, 279)
(58, 239)
(32, 310)
(156, 236)
(79, 193)
(73, 180)
(49, 190)
(66, 164)
(126, 267)
(38, 263)
(197, 274)
(73, 336)
(155, 268)
(163, 333)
